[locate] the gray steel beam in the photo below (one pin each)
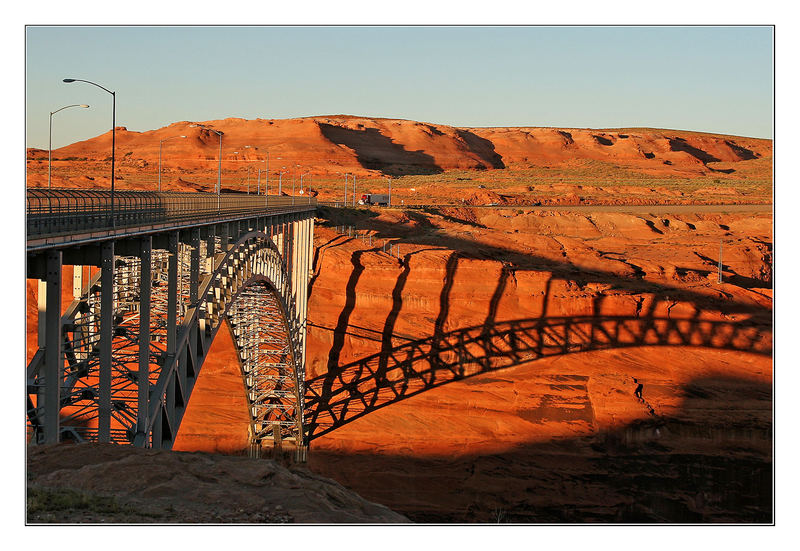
(194, 266)
(172, 293)
(224, 236)
(211, 243)
(107, 269)
(54, 362)
(145, 282)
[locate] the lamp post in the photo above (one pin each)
(293, 174)
(345, 188)
(50, 146)
(248, 173)
(160, 143)
(266, 183)
(280, 181)
(113, 132)
(235, 153)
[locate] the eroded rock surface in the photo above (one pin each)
(95, 483)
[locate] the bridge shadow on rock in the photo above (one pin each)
(348, 392)
(375, 151)
(705, 466)
(352, 391)
(690, 467)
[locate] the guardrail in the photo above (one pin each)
(57, 211)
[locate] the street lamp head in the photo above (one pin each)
(69, 80)
(84, 106)
(181, 136)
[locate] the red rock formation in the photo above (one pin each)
(325, 145)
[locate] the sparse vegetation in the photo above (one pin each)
(58, 505)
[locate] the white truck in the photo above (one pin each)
(380, 199)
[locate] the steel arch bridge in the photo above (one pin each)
(151, 289)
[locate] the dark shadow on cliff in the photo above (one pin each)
(375, 151)
(350, 303)
(701, 464)
(730, 276)
(482, 147)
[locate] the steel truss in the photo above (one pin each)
(266, 356)
(131, 344)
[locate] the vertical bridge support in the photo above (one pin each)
(54, 360)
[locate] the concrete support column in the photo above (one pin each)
(53, 359)
(302, 289)
(107, 270)
(294, 275)
(77, 281)
(41, 299)
(290, 255)
(308, 246)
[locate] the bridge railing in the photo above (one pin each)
(57, 211)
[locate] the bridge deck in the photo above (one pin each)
(60, 217)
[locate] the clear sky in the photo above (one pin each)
(714, 79)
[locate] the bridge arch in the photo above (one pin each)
(250, 286)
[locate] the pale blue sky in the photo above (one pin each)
(715, 79)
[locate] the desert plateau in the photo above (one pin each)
(547, 325)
